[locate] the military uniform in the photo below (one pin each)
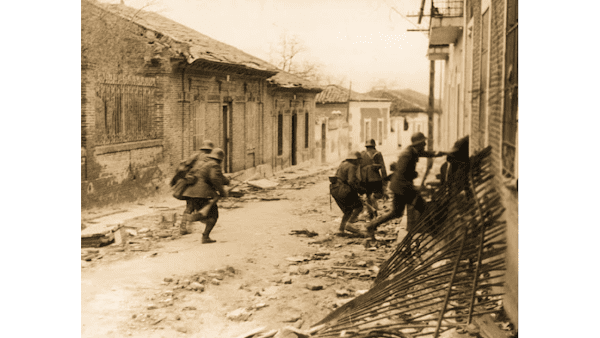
(401, 183)
(206, 181)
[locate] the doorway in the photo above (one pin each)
(294, 136)
(323, 143)
(226, 137)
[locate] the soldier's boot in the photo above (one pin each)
(354, 215)
(210, 224)
(371, 231)
(183, 225)
(341, 231)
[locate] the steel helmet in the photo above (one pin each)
(353, 155)
(217, 154)
(370, 143)
(207, 145)
(418, 138)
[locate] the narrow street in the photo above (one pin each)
(140, 290)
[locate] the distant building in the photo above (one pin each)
(347, 119)
(153, 90)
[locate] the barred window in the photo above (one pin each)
(125, 112)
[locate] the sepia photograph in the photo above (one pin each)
(299, 168)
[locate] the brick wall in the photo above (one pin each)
(494, 130)
(126, 171)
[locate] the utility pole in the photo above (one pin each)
(430, 119)
(430, 105)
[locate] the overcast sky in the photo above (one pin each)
(362, 41)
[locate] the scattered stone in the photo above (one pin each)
(337, 246)
(189, 308)
(342, 293)
(299, 323)
(164, 234)
(177, 317)
(303, 270)
(297, 259)
(287, 280)
(361, 263)
(215, 275)
(260, 306)
(372, 248)
(168, 302)
(143, 230)
(196, 286)
(293, 269)
(230, 269)
(361, 292)
(185, 282)
(293, 318)
(159, 320)
(168, 279)
(333, 275)
(215, 282)
(314, 287)
(308, 233)
(181, 329)
(239, 315)
(152, 307)
(133, 316)
(322, 254)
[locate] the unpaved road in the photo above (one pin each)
(124, 294)
(255, 240)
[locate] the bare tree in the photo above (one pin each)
(289, 55)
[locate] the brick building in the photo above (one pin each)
(347, 119)
(477, 41)
(153, 90)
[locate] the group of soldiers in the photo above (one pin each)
(361, 173)
(365, 173)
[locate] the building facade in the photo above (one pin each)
(153, 90)
(477, 41)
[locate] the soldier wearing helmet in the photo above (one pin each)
(401, 183)
(372, 173)
(185, 166)
(206, 181)
(344, 189)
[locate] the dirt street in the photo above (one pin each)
(258, 273)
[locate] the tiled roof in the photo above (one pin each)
(287, 80)
(196, 46)
(339, 94)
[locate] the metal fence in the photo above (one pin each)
(447, 270)
(447, 8)
(126, 110)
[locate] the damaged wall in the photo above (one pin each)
(121, 122)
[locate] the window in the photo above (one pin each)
(483, 84)
(125, 111)
(367, 130)
(510, 117)
(280, 134)
(306, 128)
(380, 131)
